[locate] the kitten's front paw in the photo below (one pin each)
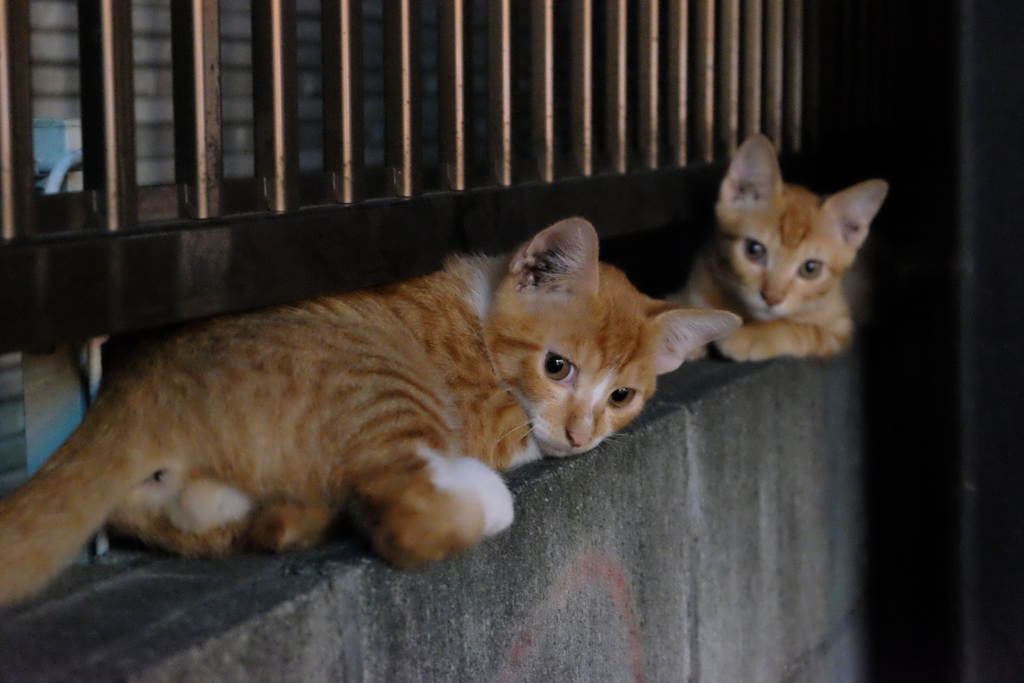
(468, 476)
(745, 345)
(697, 353)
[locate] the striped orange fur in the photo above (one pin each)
(777, 259)
(391, 405)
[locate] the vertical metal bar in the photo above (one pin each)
(342, 31)
(108, 108)
(891, 27)
(877, 95)
(825, 30)
(862, 61)
(870, 38)
(728, 109)
(647, 111)
(542, 41)
(752, 49)
(773, 70)
(275, 99)
(499, 89)
(704, 80)
(677, 63)
(616, 89)
(17, 195)
(402, 105)
(452, 68)
(842, 102)
(803, 73)
(195, 49)
(582, 101)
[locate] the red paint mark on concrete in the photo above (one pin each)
(592, 567)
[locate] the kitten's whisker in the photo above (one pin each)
(509, 432)
(518, 426)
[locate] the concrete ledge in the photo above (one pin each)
(719, 540)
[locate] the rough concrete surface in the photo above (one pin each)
(717, 540)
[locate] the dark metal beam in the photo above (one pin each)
(108, 108)
(454, 87)
(276, 101)
(774, 61)
(195, 51)
(74, 286)
(727, 61)
(648, 48)
(678, 70)
(616, 93)
(703, 71)
(17, 194)
(499, 89)
(582, 97)
(752, 53)
(342, 27)
(402, 103)
(794, 87)
(542, 63)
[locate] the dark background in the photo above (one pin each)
(944, 349)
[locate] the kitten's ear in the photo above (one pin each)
(684, 329)
(753, 178)
(561, 258)
(853, 209)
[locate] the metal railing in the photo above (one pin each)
(575, 90)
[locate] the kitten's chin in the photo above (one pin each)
(556, 450)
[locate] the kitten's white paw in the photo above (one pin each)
(204, 504)
(469, 476)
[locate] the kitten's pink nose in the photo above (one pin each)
(575, 438)
(771, 298)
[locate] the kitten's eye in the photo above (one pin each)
(557, 367)
(810, 269)
(622, 396)
(754, 250)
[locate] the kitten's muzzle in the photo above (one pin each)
(771, 298)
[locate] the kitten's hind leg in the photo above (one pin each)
(202, 505)
(282, 526)
(425, 506)
(198, 518)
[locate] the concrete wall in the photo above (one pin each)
(718, 540)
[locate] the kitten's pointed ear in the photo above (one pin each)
(684, 329)
(853, 209)
(753, 178)
(560, 258)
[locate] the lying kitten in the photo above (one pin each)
(390, 405)
(777, 259)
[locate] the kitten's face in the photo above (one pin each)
(578, 345)
(783, 246)
(784, 256)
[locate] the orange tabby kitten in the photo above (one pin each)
(390, 405)
(777, 259)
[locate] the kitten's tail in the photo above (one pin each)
(46, 522)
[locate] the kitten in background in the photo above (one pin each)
(777, 259)
(391, 406)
